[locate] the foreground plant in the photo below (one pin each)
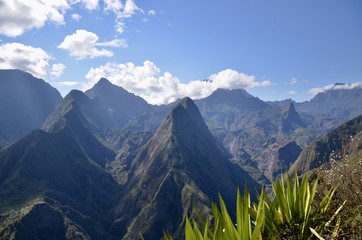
(291, 214)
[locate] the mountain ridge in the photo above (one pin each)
(180, 162)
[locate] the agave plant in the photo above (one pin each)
(290, 214)
(222, 225)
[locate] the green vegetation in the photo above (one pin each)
(293, 213)
(347, 174)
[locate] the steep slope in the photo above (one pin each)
(25, 103)
(340, 142)
(49, 189)
(179, 168)
(86, 120)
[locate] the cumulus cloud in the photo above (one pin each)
(16, 17)
(76, 17)
(83, 44)
(338, 86)
(156, 87)
(57, 70)
(16, 56)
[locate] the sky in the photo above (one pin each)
(163, 50)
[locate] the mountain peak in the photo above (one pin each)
(236, 98)
(291, 117)
(181, 166)
(103, 81)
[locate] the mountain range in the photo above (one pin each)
(105, 164)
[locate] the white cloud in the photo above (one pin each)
(292, 93)
(112, 5)
(129, 9)
(16, 56)
(88, 4)
(232, 79)
(293, 81)
(151, 13)
(82, 44)
(16, 17)
(57, 70)
(315, 91)
(156, 87)
(76, 17)
(117, 43)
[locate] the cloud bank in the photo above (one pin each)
(315, 91)
(156, 87)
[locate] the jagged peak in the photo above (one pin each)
(104, 81)
(187, 104)
(289, 108)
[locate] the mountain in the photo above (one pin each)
(120, 104)
(342, 141)
(253, 132)
(86, 119)
(49, 189)
(25, 103)
(327, 110)
(291, 118)
(107, 121)
(238, 99)
(179, 168)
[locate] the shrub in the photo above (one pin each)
(290, 214)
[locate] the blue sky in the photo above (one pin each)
(166, 49)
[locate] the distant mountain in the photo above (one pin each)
(338, 143)
(180, 167)
(291, 118)
(49, 189)
(254, 132)
(120, 104)
(238, 99)
(327, 110)
(25, 103)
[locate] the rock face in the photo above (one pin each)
(342, 141)
(179, 168)
(25, 103)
